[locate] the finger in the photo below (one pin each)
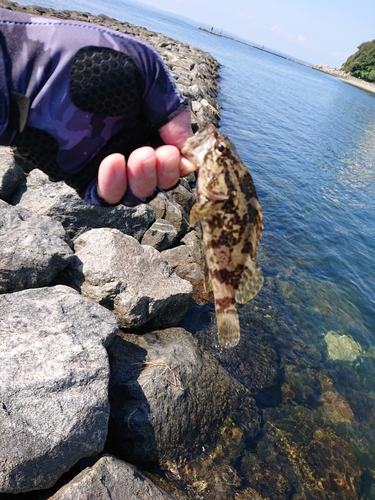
(177, 130)
(142, 177)
(112, 178)
(167, 166)
(186, 167)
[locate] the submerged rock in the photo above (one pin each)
(342, 347)
(54, 375)
(305, 458)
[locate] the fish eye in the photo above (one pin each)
(221, 148)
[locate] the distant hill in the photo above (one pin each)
(362, 63)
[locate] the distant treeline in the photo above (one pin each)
(362, 63)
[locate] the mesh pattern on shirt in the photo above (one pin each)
(105, 81)
(39, 149)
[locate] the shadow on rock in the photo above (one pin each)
(130, 431)
(169, 399)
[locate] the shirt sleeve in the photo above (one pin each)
(162, 100)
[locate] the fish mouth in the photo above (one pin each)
(198, 143)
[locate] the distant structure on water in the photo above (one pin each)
(212, 32)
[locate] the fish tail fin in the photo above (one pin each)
(228, 328)
(251, 282)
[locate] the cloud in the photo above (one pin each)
(302, 40)
(278, 31)
(247, 17)
(299, 39)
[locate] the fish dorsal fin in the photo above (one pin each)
(250, 283)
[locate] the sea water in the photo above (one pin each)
(309, 142)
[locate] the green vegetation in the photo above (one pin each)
(362, 63)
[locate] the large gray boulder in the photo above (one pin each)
(110, 478)
(169, 398)
(33, 249)
(62, 203)
(54, 376)
(131, 279)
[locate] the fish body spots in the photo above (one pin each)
(231, 219)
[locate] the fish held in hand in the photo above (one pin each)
(230, 215)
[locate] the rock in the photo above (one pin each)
(131, 279)
(183, 196)
(62, 203)
(53, 384)
(342, 347)
(169, 398)
(160, 235)
(195, 106)
(193, 92)
(111, 478)
(165, 207)
(33, 249)
(306, 458)
(11, 174)
(187, 260)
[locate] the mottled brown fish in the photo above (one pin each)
(231, 219)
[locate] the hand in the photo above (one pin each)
(146, 167)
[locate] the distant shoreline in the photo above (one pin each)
(337, 73)
(346, 77)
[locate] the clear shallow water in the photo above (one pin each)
(309, 141)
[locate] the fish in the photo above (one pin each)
(230, 215)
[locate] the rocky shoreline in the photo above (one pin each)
(111, 381)
(78, 286)
(346, 77)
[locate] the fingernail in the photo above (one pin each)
(148, 168)
(119, 171)
(170, 166)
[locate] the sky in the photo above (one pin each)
(314, 31)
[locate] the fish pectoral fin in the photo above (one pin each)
(250, 283)
(228, 328)
(207, 278)
(199, 211)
